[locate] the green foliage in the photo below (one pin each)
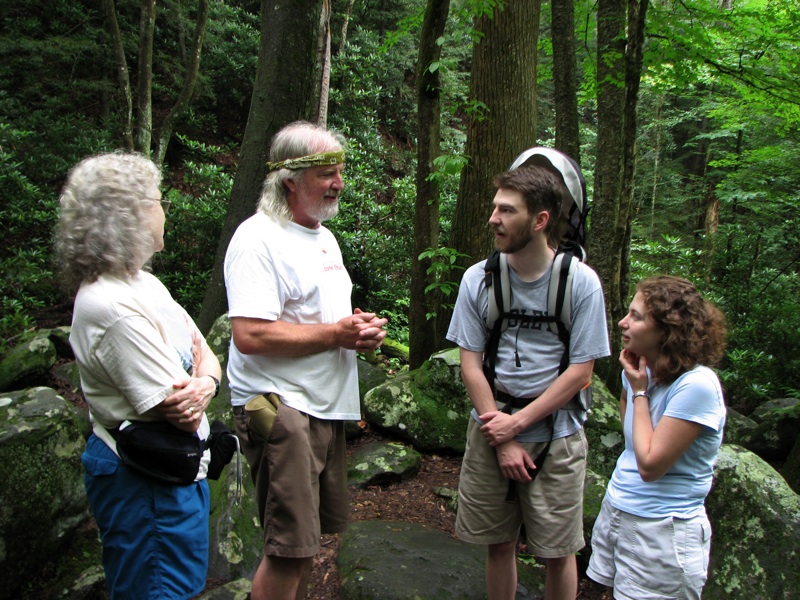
(193, 225)
(28, 215)
(442, 265)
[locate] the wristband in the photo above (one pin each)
(216, 385)
(642, 393)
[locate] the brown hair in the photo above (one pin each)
(693, 328)
(540, 189)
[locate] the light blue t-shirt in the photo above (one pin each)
(529, 354)
(695, 396)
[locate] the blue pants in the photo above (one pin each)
(155, 536)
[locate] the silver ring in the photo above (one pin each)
(191, 410)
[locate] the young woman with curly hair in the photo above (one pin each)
(652, 537)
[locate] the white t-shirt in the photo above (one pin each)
(696, 396)
(283, 271)
(539, 350)
(131, 341)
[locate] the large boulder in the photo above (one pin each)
(774, 436)
(755, 517)
(42, 497)
(791, 468)
(382, 463)
(236, 539)
(428, 407)
(384, 560)
(26, 362)
(603, 430)
(738, 427)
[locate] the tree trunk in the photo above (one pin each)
(603, 255)
(192, 70)
(144, 101)
(501, 123)
(284, 91)
(619, 65)
(634, 50)
(426, 210)
(122, 71)
(325, 62)
(343, 37)
(565, 79)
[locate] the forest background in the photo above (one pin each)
(683, 115)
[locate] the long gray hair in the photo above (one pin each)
(297, 139)
(100, 230)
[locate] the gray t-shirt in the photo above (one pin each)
(539, 349)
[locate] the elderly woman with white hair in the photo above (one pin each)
(141, 360)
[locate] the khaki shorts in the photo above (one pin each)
(550, 507)
(300, 476)
(650, 559)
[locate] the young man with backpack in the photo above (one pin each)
(525, 458)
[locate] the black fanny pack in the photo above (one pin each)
(170, 455)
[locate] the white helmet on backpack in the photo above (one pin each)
(574, 205)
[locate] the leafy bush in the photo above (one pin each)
(194, 224)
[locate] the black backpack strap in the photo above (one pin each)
(495, 317)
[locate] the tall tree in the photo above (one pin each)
(620, 38)
(138, 135)
(123, 74)
(285, 90)
(189, 81)
(143, 128)
(325, 62)
(565, 79)
(501, 122)
(426, 210)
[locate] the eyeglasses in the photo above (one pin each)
(165, 204)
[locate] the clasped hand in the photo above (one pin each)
(363, 331)
(189, 401)
(498, 427)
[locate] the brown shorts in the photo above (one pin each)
(300, 477)
(551, 507)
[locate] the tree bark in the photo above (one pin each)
(501, 123)
(343, 37)
(422, 330)
(325, 62)
(144, 99)
(565, 78)
(284, 91)
(619, 63)
(123, 74)
(192, 71)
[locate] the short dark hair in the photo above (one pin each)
(540, 188)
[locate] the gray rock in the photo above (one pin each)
(59, 336)
(27, 361)
(219, 340)
(791, 468)
(42, 498)
(771, 406)
(738, 428)
(603, 430)
(383, 560)
(369, 376)
(382, 463)
(428, 407)
(68, 373)
(776, 432)
(755, 517)
(235, 536)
